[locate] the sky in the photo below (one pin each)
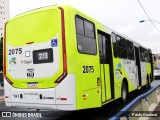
(122, 16)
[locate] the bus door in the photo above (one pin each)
(106, 65)
(151, 62)
(138, 64)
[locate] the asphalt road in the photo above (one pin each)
(102, 113)
(1, 92)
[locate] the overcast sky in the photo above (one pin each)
(120, 15)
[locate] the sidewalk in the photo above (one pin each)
(156, 111)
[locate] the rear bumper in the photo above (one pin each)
(62, 97)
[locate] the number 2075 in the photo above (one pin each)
(15, 51)
(88, 69)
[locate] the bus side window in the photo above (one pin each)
(85, 36)
(144, 54)
(141, 54)
(89, 29)
(103, 48)
(113, 36)
(130, 50)
(148, 55)
(79, 26)
(121, 47)
(100, 46)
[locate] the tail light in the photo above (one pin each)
(4, 57)
(64, 74)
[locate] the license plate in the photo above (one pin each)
(33, 85)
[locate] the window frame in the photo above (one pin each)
(114, 47)
(121, 47)
(128, 41)
(94, 30)
(144, 50)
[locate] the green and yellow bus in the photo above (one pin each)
(57, 57)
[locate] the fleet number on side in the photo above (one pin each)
(88, 69)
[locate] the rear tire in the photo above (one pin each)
(124, 92)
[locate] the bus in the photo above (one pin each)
(57, 57)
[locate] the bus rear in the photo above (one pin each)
(35, 64)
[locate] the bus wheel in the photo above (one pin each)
(124, 92)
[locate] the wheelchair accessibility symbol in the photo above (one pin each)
(54, 42)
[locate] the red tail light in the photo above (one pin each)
(4, 57)
(63, 98)
(64, 74)
(6, 97)
(4, 51)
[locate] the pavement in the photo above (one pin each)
(1, 94)
(157, 110)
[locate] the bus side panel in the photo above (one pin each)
(121, 72)
(90, 95)
(107, 83)
(102, 84)
(85, 67)
(144, 73)
(149, 69)
(131, 73)
(117, 78)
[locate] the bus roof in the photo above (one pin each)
(109, 30)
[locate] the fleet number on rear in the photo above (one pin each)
(15, 51)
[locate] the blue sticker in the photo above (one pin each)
(54, 42)
(12, 61)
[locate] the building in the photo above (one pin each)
(4, 15)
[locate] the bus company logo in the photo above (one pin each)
(30, 73)
(12, 61)
(54, 42)
(27, 62)
(119, 71)
(51, 98)
(119, 68)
